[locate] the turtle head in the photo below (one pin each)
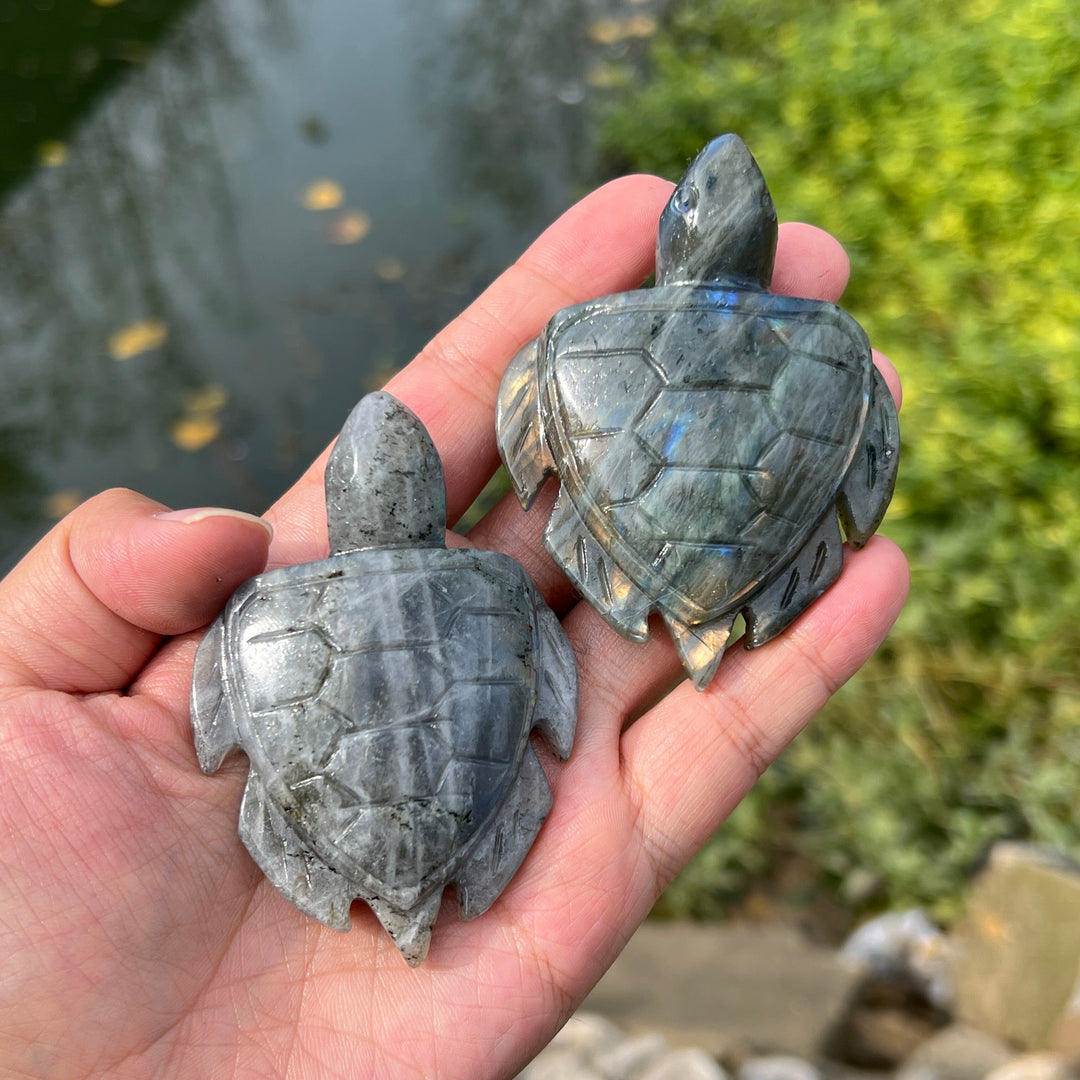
(720, 222)
(384, 480)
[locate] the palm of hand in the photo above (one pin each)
(137, 938)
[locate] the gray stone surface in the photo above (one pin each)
(686, 1064)
(1040, 1065)
(706, 433)
(1017, 949)
(384, 697)
(957, 1052)
(778, 1067)
(719, 986)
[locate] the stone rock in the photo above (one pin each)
(779, 1067)
(1037, 1066)
(887, 1020)
(1017, 949)
(905, 947)
(559, 1064)
(957, 1052)
(587, 1035)
(630, 1058)
(723, 986)
(687, 1064)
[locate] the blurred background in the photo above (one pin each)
(223, 221)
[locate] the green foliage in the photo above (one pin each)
(938, 143)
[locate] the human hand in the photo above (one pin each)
(137, 937)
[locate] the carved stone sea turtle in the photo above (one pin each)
(705, 432)
(384, 697)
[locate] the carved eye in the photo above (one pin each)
(685, 199)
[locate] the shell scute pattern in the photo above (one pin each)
(384, 697)
(703, 431)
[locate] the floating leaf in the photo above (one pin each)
(207, 399)
(106, 3)
(350, 227)
(192, 433)
(611, 31)
(60, 503)
(52, 153)
(138, 338)
(200, 424)
(390, 270)
(323, 195)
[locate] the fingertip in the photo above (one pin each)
(891, 377)
(165, 571)
(810, 263)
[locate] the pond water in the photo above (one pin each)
(222, 222)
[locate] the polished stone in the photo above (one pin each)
(384, 697)
(709, 437)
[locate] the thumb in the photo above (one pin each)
(88, 606)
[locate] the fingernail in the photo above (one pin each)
(201, 513)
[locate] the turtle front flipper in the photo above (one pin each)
(868, 486)
(519, 426)
(799, 584)
(502, 848)
(555, 713)
(595, 575)
(305, 881)
(212, 720)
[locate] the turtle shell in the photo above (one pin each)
(384, 698)
(704, 448)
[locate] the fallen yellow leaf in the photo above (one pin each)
(106, 3)
(207, 399)
(390, 270)
(323, 195)
(351, 227)
(60, 503)
(52, 153)
(194, 432)
(138, 338)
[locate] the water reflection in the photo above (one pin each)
(179, 313)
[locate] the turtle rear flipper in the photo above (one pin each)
(212, 719)
(608, 588)
(305, 881)
(800, 583)
(868, 486)
(520, 428)
(701, 647)
(410, 928)
(503, 847)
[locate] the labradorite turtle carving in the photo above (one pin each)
(384, 697)
(707, 434)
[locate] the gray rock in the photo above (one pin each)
(559, 1064)
(1017, 949)
(1037, 1066)
(779, 1067)
(384, 697)
(587, 1034)
(629, 1059)
(905, 946)
(719, 986)
(706, 432)
(957, 1052)
(687, 1064)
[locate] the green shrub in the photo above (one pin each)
(938, 142)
